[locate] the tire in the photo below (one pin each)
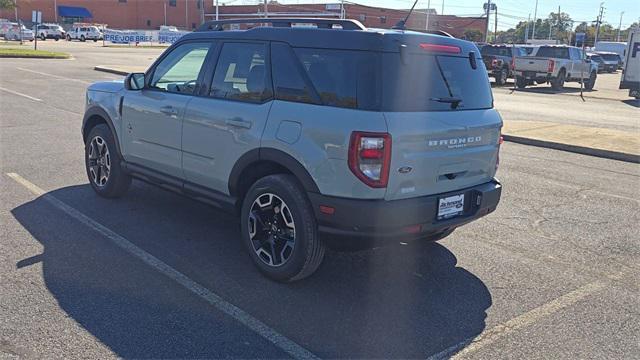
(101, 155)
(68, 37)
(95, 40)
(43, 37)
(521, 82)
(557, 83)
(591, 83)
(502, 76)
(57, 38)
(279, 229)
(82, 38)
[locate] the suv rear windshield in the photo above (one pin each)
(610, 57)
(384, 82)
(553, 52)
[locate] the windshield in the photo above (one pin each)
(495, 50)
(610, 57)
(426, 82)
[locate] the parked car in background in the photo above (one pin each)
(16, 31)
(84, 33)
(529, 48)
(617, 47)
(499, 60)
(168, 28)
(5, 25)
(50, 31)
(555, 64)
(631, 71)
(612, 61)
(595, 58)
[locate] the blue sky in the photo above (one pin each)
(513, 10)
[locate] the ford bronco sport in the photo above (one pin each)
(315, 137)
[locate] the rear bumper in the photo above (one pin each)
(532, 74)
(376, 221)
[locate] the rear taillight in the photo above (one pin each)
(494, 62)
(370, 157)
(552, 64)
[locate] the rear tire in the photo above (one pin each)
(82, 38)
(521, 82)
(279, 229)
(102, 163)
(557, 83)
(68, 37)
(43, 37)
(502, 76)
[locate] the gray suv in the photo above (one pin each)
(324, 135)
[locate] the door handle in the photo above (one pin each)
(238, 123)
(169, 110)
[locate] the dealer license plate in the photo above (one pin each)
(450, 206)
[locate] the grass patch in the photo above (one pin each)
(30, 53)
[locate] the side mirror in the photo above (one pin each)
(134, 81)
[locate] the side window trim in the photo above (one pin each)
(208, 81)
(148, 76)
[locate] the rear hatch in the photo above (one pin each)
(438, 106)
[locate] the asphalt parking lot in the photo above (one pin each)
(551, 274)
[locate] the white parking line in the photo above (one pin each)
(279, 340)
(468, 346)
(20, 94)
(54, 76)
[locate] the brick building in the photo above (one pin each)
(187, 14)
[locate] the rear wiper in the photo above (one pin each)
(454, 101)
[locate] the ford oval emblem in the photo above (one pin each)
(405, 169)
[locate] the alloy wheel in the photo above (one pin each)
(99, 161)
(272, 230)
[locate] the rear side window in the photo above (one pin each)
(241, 73)
(343, 78)
(426, 82)
(553, 52)
(288, 81)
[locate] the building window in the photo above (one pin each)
(172, 3)
(199, 4)
(122, 1)
(383, 19)
(363, 17)
(148, 22)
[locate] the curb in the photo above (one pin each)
(577, 95)
(110, 70)
(35, 57)
(607, 154)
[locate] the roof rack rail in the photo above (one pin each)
(346, 24)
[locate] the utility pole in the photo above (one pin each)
(201, 2)
(442, 11)
(526, 29)
(165, 13)
(217, 10)
(495, 31)
(535, 15)
(619, 27)
(486, 33)
(428, 8)
(342, 13)
(186, 14)
(266, 10)
(598, 21)
(55, 10)
(558, 31)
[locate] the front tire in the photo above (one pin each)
(82, 38)
(591, 83)
(43, 37)
(102, 163)
(501, 78)
(521, 82)
(279, 228)
(557, 83)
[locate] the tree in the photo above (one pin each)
(473, 35)
(7, 4)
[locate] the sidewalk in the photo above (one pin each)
(606, 143)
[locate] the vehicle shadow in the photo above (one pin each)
(632, 102)
(400, 301)
(546, 89)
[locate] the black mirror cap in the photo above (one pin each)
(134, 81)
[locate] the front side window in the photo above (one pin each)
(241, 73)
(178, 72)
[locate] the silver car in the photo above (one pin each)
(337, 136)
(16, 32)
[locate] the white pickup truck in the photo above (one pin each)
(555, 64)
(631, 71)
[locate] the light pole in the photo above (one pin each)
(619, 26)
(428, 7)
(535, 15)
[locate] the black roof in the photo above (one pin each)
(331, 38)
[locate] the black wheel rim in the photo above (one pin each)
(99, 161)
(272, 231)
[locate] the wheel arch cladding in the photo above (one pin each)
(94, 116)
(258, 163)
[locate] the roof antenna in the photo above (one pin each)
(400, 25)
